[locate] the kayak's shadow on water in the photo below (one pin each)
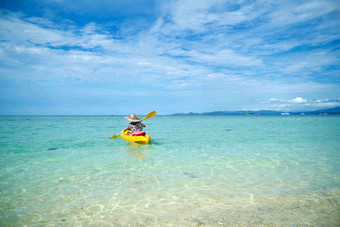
(138, 151)
(155, 142)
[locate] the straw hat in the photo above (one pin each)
(133, 118)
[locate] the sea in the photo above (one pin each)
(197, 171)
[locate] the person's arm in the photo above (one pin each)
(127, 128)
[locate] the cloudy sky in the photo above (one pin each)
(119, 57)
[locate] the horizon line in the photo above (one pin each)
(184, 113)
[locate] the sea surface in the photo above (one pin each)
(198, 170)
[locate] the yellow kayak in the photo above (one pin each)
(137, 139)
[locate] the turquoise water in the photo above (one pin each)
(63, 170)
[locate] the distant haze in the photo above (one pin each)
(335, 110)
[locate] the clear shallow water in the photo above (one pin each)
(268, 170)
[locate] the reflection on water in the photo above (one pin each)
(138, 151)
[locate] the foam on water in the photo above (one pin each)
(197, 170)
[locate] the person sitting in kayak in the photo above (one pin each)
(135, 125)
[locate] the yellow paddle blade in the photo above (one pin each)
(114, 136)
(153, 113)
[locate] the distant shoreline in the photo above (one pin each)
(255, 114)
(332, 111)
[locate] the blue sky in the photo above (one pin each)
(119, 57)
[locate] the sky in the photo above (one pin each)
(135, 56)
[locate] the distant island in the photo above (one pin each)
(335, 110)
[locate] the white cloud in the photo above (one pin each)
(90, 51)
(223, 57)
(292, 12)
(298, 100)
(311, 61)
(300, 104)
(197, 15)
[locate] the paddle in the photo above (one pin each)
(150, 115)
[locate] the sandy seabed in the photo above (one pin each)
(317, 209)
